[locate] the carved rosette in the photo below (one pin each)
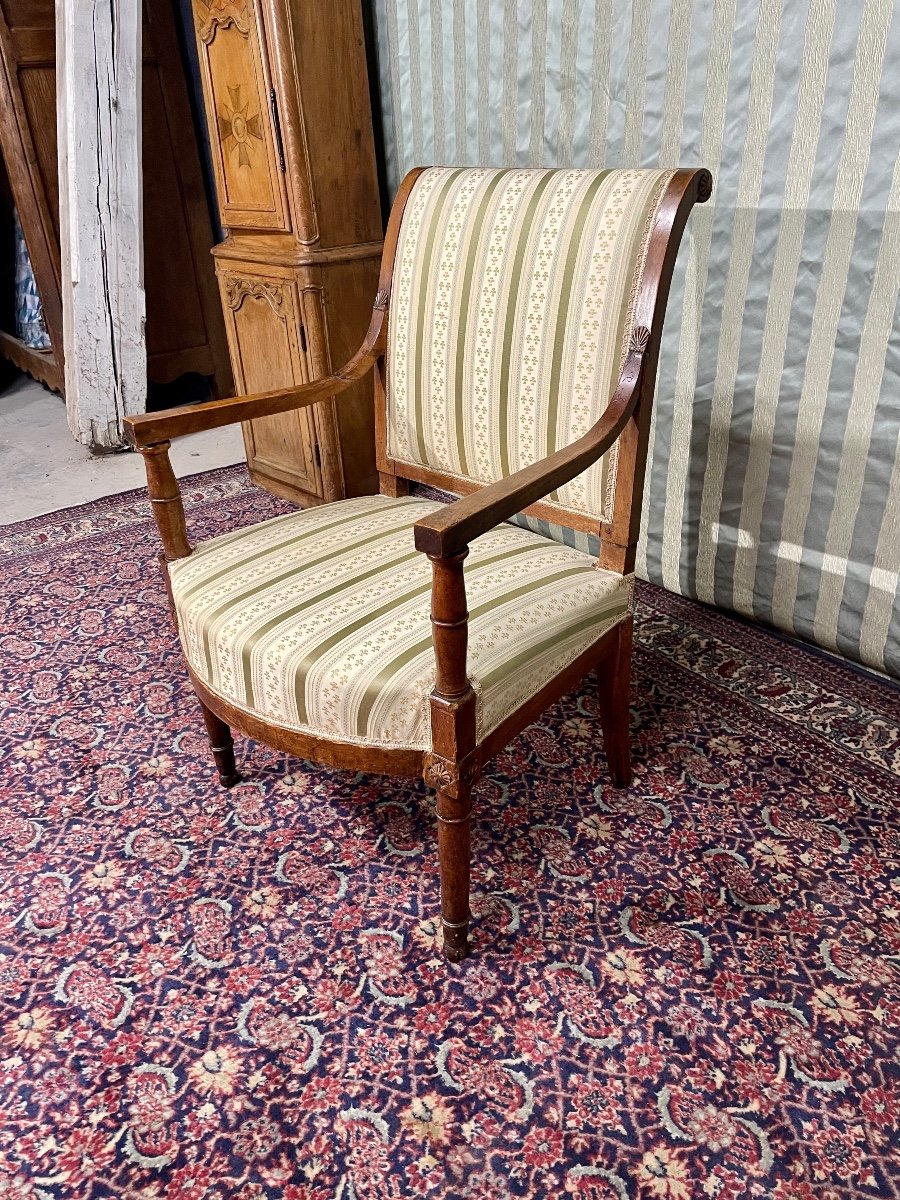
(444, 775)
(704, 187)
(237, 290)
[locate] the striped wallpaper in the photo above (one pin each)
(774, 484)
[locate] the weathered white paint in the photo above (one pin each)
(98, 56)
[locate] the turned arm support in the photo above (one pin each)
(445, 535)
(449, 531)
(165, 499)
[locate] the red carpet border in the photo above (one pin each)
(690, 989)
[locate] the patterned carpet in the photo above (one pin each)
(691, 989)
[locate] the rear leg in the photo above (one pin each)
(615, 700)
(222, 745)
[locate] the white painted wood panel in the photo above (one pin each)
(99, 131)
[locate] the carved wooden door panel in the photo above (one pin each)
(264, 321)
(242, 114)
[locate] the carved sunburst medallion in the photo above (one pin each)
(237, 127)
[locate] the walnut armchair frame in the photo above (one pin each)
(456, 757)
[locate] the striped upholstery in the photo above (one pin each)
(511, 311)
(319, 621)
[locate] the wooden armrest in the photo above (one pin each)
(149, 429)
(449, 531)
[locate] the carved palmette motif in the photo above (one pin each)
(640, 337)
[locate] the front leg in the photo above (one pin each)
(454, 815)
(448, 766)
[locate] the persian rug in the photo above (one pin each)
(687, 989)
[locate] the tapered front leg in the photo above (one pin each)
(454, 814)
(222, 745)
(615, 700)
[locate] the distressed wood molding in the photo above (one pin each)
(99, 132)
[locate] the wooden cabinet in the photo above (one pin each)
(287, 103)
(185, 331)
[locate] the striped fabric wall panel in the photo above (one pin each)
(774, 477)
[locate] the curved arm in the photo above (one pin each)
(450, 530)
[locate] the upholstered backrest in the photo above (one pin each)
(511, 309)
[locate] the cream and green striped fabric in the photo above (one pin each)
(319, 621)
(773, 473)
(511, 310)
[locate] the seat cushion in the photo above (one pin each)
(319, 621)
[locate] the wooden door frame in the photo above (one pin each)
(98, 112)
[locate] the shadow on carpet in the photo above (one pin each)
(686, 989)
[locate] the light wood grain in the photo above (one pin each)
(288, 112)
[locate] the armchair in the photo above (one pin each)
(514, 342)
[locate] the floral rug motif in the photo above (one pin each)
(689, 989)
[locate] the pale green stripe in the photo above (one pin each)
(603, 32)
(379, 682)
(699, 243)
(465, 313)
(563, 312)
(676, 79)
(423, 270)
(437, 83)
(415, 79)
(537, 156)
(867, 383)
(637, 81)
(510, 665)
(786, 265)
(342, 634)
(483, 52)
(460, 145)
(839, 250)
(234, 566)
(308, 601)
(740, 257)
(568, 83)
(393, 38)
(269, 581)
(511, 294)
(509, 101)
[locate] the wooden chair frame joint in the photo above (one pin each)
(447, 774)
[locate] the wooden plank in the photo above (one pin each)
(39, 364)
(99, 129)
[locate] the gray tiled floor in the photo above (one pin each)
(42, 468)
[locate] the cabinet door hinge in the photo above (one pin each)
(276, 125)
